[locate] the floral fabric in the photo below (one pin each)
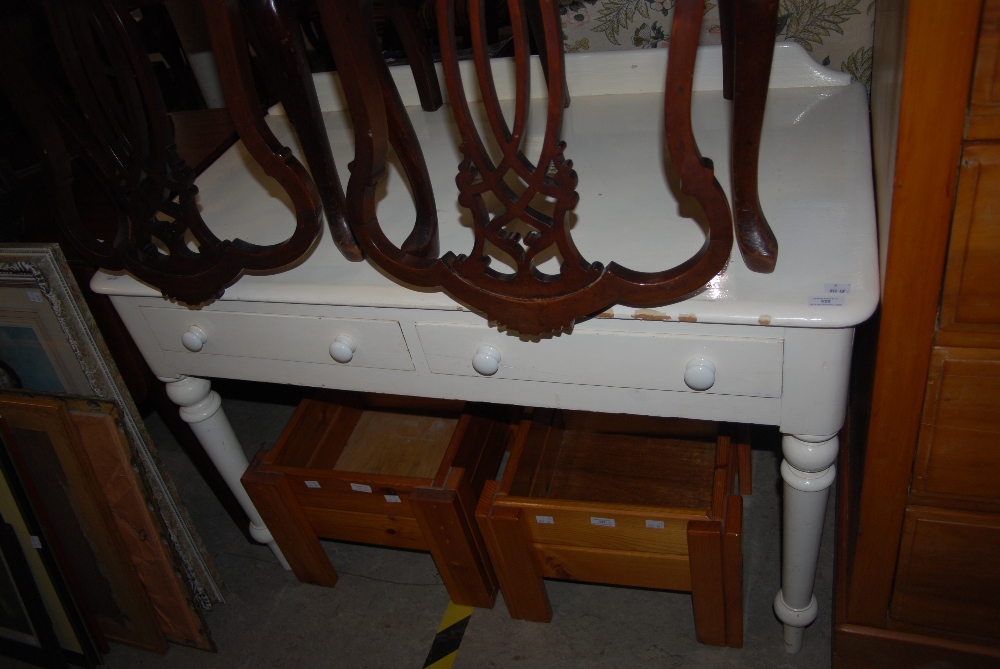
(838, 33)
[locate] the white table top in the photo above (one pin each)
(815, 187)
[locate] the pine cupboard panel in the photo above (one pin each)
(984, 107)
(947, 578)
(970, 301)
(920, 95)
(958, 452)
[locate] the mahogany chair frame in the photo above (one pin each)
(527, 300)
(105, 107)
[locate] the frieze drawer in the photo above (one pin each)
(711, 364)
(333, 341)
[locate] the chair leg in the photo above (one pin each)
(271, 493)
(753, 37)
(732, 571)
(726, 21)
(507, 541)
(707, 589)
(404, 17)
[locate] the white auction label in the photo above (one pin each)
(654, 524)
(36, 543)
(837, 288)
(392, 498)
(545, 520)
(602, 522)
(313, 484)
(34, 296)
(360, 487)
(837, 301)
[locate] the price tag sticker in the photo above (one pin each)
(602, 522)
(837, 288)
(545, 520)
(312, 484)
(392, 498)
(654, 524)
(360, 487)
(832, 301)
(36, 543)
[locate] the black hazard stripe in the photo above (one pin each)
(447, 641)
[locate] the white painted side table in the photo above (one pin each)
(750, 348)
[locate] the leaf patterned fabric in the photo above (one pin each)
(838, 33)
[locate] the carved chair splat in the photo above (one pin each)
(527, 300)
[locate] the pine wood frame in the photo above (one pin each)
(918, 118)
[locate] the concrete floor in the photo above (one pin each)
(388, 603)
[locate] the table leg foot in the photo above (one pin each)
(201, 408)
(808, 472)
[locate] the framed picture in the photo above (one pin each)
(40, 621)
(111, 456)
(49, 342)
(67, 495)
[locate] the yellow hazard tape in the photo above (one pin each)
(449, 637)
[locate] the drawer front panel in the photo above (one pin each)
(947, 577)
(744, 365)
(607, 527)
(380, 344)
(959, 446)
(335, 492)
(366, 528)
(637, 570)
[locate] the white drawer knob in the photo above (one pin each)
(342, 349)
(194, 339)
(700, 374)
(486, 361)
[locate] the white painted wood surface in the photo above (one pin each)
(780, 358)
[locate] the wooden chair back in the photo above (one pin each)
(97, 100)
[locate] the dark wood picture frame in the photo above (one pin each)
(49, 455)
(113, 456)
(61, 634)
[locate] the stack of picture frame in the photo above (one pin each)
(131, 566)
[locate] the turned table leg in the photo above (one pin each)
(201, 408)
(808, 471)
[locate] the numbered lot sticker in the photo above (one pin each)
(832, 301)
